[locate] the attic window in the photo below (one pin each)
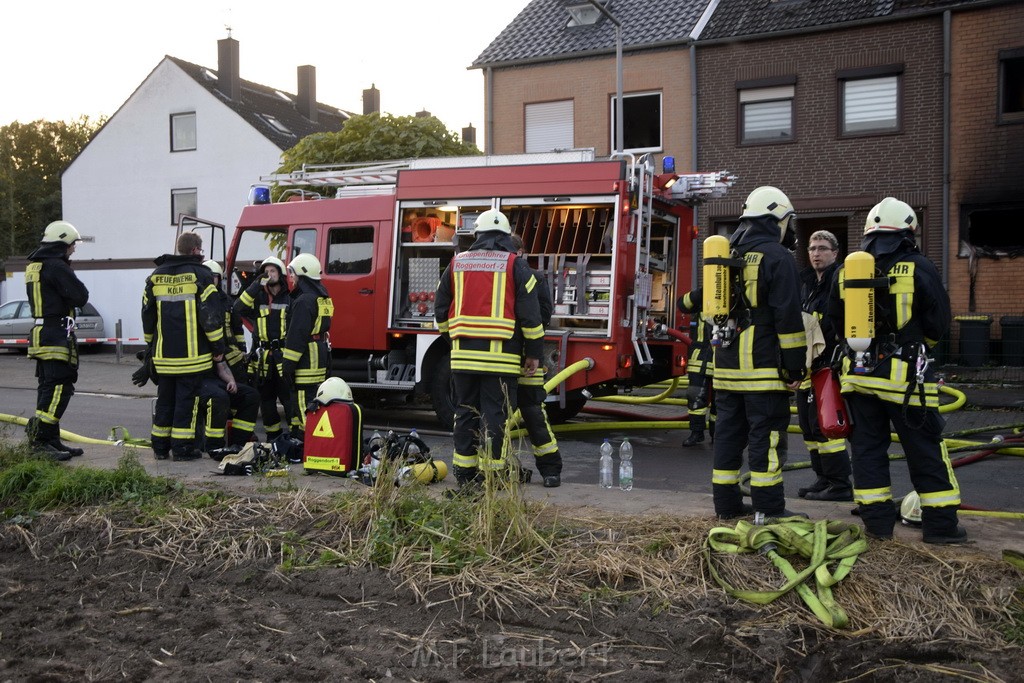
(583, 14)
(276, 125)
(282, 96)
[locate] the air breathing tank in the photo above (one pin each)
(859, 308)
(717, 297)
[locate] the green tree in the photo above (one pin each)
(376, 137)
(32, 158)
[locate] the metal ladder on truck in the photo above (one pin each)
(641, 192)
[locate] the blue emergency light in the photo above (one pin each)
(259, 194)
(668, 165)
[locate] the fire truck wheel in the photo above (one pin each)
(442, 395)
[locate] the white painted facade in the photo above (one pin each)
(117, 192)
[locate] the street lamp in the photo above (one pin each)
(618, 72)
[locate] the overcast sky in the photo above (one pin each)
(64, 59)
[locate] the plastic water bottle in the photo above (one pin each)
(626, 465)
(606, 464)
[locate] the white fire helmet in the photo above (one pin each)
(272, 261)
(769, 201)
(306, 265)
(215, 267)
(61, 231)
(890, 215)
(910, 509)
(492, 219)
(333, 389)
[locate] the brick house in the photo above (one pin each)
(839, 103)
(986, 199)
(550, 78)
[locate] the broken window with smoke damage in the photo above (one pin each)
(992, 230)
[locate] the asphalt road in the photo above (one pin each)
(660, 463)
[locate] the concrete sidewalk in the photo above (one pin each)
(102, 374)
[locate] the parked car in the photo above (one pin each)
(16, 323)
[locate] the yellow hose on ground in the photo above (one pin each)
(71, 436)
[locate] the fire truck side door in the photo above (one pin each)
(350, 278)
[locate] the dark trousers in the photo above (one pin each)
(176, 412)
(829, 458)
(242, 406)
(545, 446)
(930, 470)
(273, 388)
(56, 387)
(756, 421)
(484, 403)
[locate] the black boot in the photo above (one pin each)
(61, 446)
(695, 437)
(550, 468)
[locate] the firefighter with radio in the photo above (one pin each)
(531, 395)
(829, 459)
(224, 391)
(700, 369)
(264, 306)
(486, 305)
(752, 299)
(183, 325)
(307, 348)
(54, 291)
(887, 378)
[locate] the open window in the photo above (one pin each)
(987, 229)
(642, 122)
(1011, 85)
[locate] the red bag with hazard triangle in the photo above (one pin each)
(334, 436)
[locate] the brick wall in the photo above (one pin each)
(987, 159)
(822, 173)
(590, 83)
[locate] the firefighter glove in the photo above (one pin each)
(140, 376)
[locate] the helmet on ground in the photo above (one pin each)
(769, 201)
(333, 389)
(890, 215)
(910, 509)
(215, 267)
(61, 231)
(307, 265)
(272, 261)
(492, 219)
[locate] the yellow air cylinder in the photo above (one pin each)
(859, 307)
(716, 277)
(424, 473)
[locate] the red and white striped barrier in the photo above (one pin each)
(81, 340)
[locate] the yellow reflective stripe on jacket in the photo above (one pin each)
(748, 378)
(892, 388)
(794, 340)
(533, 332)
(291, 354)
(901, 287)
(753, 264)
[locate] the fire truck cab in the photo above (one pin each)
(611, 240)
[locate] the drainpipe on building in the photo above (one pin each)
(694, 273)
(946, 97)
(489, 110)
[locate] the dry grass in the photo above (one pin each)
(503, 553)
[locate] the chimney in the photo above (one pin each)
(422, 114)
(307, 92)
(371, 100)
(228, 81)
(469, 134)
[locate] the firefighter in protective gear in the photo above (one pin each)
(911, 314)
(755, 373)
(307, 347)
(264, 306)
(531, 394)
(486, 305)
(829, 459)
(224, 391)
(183, 325)
(54, 292)
(700, 370)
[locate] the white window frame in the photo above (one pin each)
(625, 131)
(764, 98)
(549, 125)
(860, 97)
(183, 139)
(180, 195)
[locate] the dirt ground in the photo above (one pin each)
(90, 597)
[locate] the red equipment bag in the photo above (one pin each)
(833, 420)
(334, 437)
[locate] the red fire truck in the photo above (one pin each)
(612, 240)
